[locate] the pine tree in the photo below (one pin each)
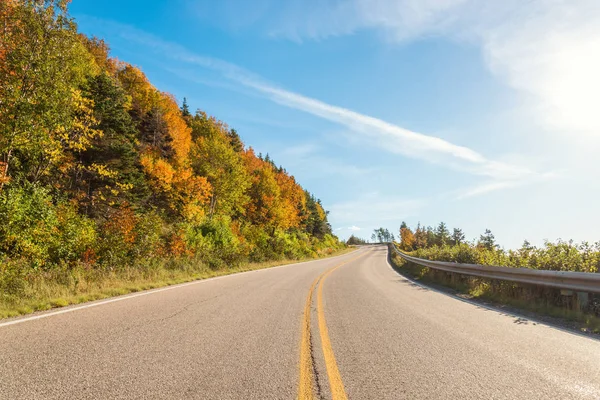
(487, 240)
(458, 236)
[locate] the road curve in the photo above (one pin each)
(241, 337)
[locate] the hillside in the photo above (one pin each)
(103, 176)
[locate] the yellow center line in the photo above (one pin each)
(305, 387)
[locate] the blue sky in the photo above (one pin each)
(480, 114)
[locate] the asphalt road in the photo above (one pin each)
(373, 335)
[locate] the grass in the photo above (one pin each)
(46, 290)
(482, 289)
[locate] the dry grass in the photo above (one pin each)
(44, 291)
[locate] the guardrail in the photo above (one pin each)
(576, 281)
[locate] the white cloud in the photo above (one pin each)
(547, 49)
(493, 186)
(375, 131)
(352, 228)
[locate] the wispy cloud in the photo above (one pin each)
(493, 186)
(385, 135)
(548, 50)
(307, 160)
(374, 209)
(352, 228)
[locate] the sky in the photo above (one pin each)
(484, 115)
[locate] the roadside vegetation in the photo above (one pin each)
(108, 185)
(441, 244)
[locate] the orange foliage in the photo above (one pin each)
(177, 128)
(122, 223)
(293, 201)
(271, 195)
(407, 239)
(188, 194)
(177, 246)
(159, 169)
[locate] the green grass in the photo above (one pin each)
(46, 290)
(480, 289)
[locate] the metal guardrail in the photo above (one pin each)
(577, 281)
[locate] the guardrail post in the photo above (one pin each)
(582, 300)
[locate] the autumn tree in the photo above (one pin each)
(225, 169)
(407, 238)
(42, 67)
(420, 237)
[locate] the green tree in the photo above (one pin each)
(458, 236)
(110, 170)
(214, 158)
(235, 141)
(487, 240)
(42, 66)
(442, 234)
(185, 109)
(316, 224)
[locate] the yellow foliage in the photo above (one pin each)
(177, 128)
(159, 169)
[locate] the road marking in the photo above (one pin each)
(145, 293)
(305, 386)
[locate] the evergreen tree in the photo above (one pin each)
(442, 235)
(487, 240)
(458, 236)
(185, 109)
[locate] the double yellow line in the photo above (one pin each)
(305, 387)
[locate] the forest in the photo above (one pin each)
(104, 175)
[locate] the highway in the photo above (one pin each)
(342, 327)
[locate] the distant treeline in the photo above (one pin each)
(443, 245)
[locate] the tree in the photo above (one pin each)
(487, 240)
(383, 235)
(420, 237)
(109, 171)
(316, 222)
(353, 241)
(458, 236)
(42, 67)
(185, 109)
(226, 170)
(235, 141)
(407, 238)
(431, 237)
(442, 235)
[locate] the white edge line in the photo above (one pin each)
(20, 320)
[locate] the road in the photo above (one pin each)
(360, 331)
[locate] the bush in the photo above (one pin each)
(35, 229)
(29, 223)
